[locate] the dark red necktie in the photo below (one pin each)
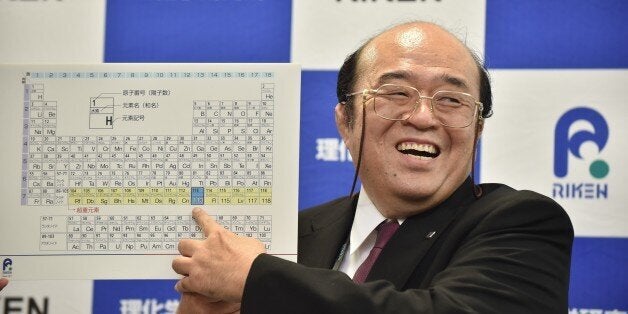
(385, 231)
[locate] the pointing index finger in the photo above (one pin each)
(204, 221)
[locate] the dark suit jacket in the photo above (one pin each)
(506, 252)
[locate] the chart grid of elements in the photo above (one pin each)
(226, 157)
(132, 233)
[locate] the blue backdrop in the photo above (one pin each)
(531, 34)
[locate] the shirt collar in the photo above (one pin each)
(366, 219)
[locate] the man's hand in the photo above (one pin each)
(192, 303)
(3, 283)
(217, 266)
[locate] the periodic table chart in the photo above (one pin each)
(103, 163)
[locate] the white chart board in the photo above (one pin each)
(103, 163)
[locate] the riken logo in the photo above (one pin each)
(7, 267)
(568, 144)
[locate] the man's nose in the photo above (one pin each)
(422, 117)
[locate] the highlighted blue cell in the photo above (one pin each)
(198, 196)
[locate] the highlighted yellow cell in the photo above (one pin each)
(130, 200)
(117, 200)
(239, 200)
(74, 200)
(89, 200)
(211, 192)
(213, 200)
(116, 192)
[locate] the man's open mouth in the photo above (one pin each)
(423, 151)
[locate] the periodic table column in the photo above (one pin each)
(130, 170)
(265, 230)
(103, 171)
(239, 152)
(144, 169)
(197, 163)
(49, 127)
(25, 136)
(184, 166)
(115, 226)
(62, 179)
(75, 176)
(35, 147)
(117, 169)
(101, 233)
(183, 169)
(253, 152)
(266, 141)
(171, 162)
(226, 150)
(170, 233)
(90, 159)
(199, 133)
(212, 152)
(158, 163)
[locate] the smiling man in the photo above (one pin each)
(420, 237)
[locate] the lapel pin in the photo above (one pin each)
(430, 234)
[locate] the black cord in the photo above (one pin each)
(357, 167)
(477, 189)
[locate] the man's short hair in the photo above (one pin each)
(347, 77)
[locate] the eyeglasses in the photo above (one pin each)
(398, 103)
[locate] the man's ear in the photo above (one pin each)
(480, 126)
(342, 121)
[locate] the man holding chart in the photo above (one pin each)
(420, 237)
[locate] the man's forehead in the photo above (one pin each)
(410, 38)
(417, 36)
(448, 78)
(420, 38)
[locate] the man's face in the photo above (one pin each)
(399, 182)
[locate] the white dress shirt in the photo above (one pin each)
(363, 234)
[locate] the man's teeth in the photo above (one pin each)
(423, 151)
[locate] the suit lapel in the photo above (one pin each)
(408, 246)
(322, 235)
(415, 236)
